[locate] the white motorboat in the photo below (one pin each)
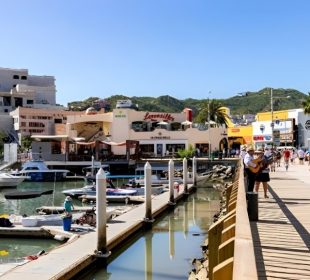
(9, 180)
(37, 170)
(91, 190)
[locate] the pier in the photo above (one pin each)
(276, 246)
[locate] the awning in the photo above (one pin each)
(113, 143)
(52, 137)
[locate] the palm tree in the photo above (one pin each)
(306, 104)
(217, 113)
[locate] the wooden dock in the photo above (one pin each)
(282, 235)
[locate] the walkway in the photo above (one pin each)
(282, 235)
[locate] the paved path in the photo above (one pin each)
(282, 234)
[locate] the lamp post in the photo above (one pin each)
(271, 109)
(209, 142)
(272, 124)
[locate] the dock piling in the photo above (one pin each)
(171, 181)
(101, 217)
(148, 192)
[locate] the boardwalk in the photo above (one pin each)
(282, 235)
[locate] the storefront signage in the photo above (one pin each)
(160, 137)
(235, 130)
(155, 117)
(120, 115)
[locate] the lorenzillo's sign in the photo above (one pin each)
(154, 117)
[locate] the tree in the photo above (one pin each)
(306, 104)
(217, 113)
(186, 153)
(26, 142)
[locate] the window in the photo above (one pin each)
(23, 77)
(15, 77)
(58, 121)
(29, 101)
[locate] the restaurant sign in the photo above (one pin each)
(155, 117)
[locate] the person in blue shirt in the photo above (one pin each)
(68, 205)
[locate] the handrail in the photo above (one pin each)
(231, 250)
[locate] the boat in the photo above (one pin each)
(52, 219)
(37, 171)
(26, 194)
(9, 180)
(91, 190)
(159, 176)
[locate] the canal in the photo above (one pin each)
(166, 251)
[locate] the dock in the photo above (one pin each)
(66, 261)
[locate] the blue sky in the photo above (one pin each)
(151, 48)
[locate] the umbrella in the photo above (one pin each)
(162, 123)
(186, 123)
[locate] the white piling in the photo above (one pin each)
(148, 192)
(101, 214)
(171, 181)
(194, 171)
(185, 175)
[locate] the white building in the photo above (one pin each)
(19, 89)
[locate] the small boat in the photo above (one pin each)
(26, 194)
(37, 171)
(9, 180)
(91, 190)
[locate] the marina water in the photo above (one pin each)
(167, 250)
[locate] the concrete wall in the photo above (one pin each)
(10, 152)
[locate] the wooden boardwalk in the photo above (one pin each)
(282, 235)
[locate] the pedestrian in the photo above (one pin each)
(68, 205)
(301, 155)
(242, 152)
(249, 165)
(286, 157)
(263, 176)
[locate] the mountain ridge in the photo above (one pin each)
(246, 103)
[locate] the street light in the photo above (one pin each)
(209, 142)
(271, 108)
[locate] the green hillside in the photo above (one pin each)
(248, 103)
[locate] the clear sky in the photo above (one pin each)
(157, 47)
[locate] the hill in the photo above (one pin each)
(247, 103)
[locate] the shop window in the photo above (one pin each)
(15, 77)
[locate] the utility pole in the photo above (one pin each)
(209, 127)
(272, 124)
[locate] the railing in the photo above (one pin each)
(231, 250)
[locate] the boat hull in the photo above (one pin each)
(44, 176)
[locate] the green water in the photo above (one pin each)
(13, 250)
(166, 251)
(28, 206)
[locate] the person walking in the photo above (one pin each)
(301, 156)
(263, 176)
(286, 157)
(249, 165)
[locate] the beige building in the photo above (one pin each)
(115, 134)
(29, 121)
